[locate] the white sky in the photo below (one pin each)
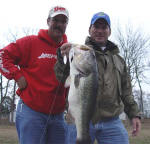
(33, 14)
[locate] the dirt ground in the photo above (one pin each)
(144, 136)
(8, 134)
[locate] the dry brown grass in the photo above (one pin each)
(144, 135)
(8, 134)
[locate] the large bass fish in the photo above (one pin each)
(83, 89)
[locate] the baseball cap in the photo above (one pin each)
(54, 11)
(100, 15)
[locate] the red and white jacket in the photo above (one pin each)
(36, 57)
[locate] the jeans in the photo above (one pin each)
(38, 128)
(105, 132)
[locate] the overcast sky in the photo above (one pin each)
(33, 13)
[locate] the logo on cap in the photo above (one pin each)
(100, 15)
(58, 10)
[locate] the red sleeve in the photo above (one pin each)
(13, 56)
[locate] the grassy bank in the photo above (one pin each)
(8, 134)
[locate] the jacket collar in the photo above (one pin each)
(110, 46)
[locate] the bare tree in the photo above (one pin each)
(146, 101)
(8, 87)
(133, 46)
(7, 92)
(26, 31)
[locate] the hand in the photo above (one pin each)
(69, 118)
(22, 83)
(136, 126)
(65, 48)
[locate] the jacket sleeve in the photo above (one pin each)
(12, 57)
(130, 106)
(61, 69)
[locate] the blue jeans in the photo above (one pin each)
(105, 132)
(38, 128)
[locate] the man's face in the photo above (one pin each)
(57, 25)
(100, 31)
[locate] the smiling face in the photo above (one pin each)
(57, 27)
(100, 31)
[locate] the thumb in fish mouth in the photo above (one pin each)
(85, 141)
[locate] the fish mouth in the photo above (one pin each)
(81, 47)
(85, 48)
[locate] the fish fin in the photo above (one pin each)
(76, 80)
(68, 82)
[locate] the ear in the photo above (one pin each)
(48, 20)
(90, 30)
(109, 31)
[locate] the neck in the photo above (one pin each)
(99, 44)
(57, 39)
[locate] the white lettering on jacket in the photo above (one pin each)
(45, 55)
(1, 63)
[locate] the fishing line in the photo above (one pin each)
(51, 108)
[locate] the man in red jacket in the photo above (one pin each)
(30, 62)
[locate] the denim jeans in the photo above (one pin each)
(105, 132)
(38, 128)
